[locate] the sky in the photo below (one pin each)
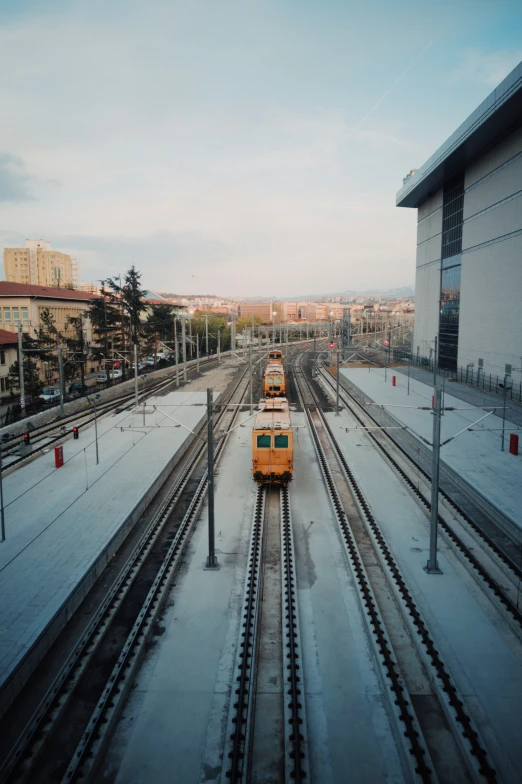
(236, 147)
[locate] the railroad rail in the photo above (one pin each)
(486, 556)
(143, 583)
(81, 419)
(241, 754)
(388, 606)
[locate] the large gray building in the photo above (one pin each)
(468, 289)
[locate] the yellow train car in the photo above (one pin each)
(274, 381)
(275, 357)
(273, 443)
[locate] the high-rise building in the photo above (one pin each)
(38, 264)
(468, 197)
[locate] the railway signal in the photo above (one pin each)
(76, 432)
(27, 439)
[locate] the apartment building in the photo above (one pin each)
(38, 264)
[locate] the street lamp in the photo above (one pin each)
(92, 402)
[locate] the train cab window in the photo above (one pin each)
(281, 442)
(263, 442)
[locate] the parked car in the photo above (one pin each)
(50, 395)
(32, 405)
(116, 373)
(77, 388)
(149, 361)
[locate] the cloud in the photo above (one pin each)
(15, 183)
(488, 68)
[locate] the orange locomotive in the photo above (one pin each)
(272, 443)
(275, 357)
(274, 382)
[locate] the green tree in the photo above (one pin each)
(32, 382)
(127, 303)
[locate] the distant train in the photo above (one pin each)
(272, 443)
(274, 381)
(275, 357)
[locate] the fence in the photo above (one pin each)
(486, 381)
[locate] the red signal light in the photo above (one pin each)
(331, 345)
(27, 439)
(76, 432)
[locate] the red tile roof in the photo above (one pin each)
(7, 337)
(9, 289)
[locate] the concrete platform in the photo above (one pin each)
(475, 456)
(63, 525)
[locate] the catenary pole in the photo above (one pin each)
(211, 562)
(60, 379)
(184, 342)
(219, 346)
(21, 372)
(2, 512)
(435, 361)
(206, 333)
(338, 372)
(197, 353)
(432, 567)
(136, 400)
(176, 349)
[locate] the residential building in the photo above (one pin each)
(38, 264)
(8, 355)
(468, 197)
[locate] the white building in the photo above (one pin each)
(468, 288)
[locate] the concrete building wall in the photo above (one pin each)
(490, 325)
(490, 317)
(426, 325)
(427, 278)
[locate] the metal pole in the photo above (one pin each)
(136, 399)
(184, 342)
(197, 353)
(337, 409)
(251, 380)
(176, 349)
(206, 333)
(190, 339)
(211, 562)
(409, 366)
(2, 513)
(96, 432)
(21, 372)
(432, 566)
(219, 346)
(435, 362)
(504, 411)
(60, 375)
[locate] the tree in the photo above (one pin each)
(126, 303)
(32, 382)
(246, 321)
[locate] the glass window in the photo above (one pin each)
(2, 357)
(449, 317)
(263, 442)
(7, 315)
(281, 442)
(16, 317)
(25, 316)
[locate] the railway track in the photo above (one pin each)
(434, 730)
(266, 738)
(498, 572)
(66, 736)
(44, 436)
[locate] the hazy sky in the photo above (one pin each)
(236, 146)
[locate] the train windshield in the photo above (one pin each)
(281, 442)
(263, 442)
